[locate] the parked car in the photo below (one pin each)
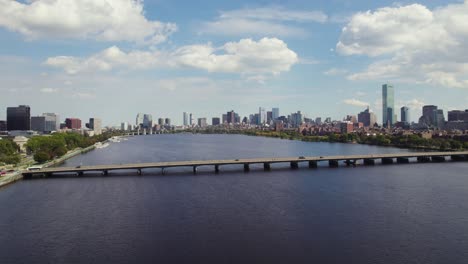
(3, 172)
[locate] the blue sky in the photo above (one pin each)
(94, 58)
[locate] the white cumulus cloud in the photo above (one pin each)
(355, 102)
(418, 45)
(268, 56)
(106, 60)
(116, 20)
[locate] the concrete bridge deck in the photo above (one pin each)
(294, 161)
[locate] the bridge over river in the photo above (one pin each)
(333, 161)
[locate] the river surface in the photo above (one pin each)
(412, 213)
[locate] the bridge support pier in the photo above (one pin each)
(105, 173)
(438, 158)
(387, 161)
(402, 160)
(216, 168)
(194, 169)
(313, 164)
(266, 166)
(139, 171)
(333, 163)
(423, 159)
(294, 165)
(163, 171)
(369, 162)
(246, 167)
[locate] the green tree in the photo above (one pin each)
(41, 156)
(9, 152)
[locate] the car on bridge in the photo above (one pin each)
(34, 168)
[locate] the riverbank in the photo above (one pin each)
(413, 142)
(18, 174)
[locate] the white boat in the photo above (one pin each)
(114, 139)
(99, 145)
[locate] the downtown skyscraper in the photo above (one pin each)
(388, 105)
(19, 118)
(185, 119)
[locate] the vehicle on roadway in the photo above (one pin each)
(34, 168)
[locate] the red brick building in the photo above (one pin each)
(73, 123)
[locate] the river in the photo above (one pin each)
(411, 213)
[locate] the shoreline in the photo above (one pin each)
(305, 139)
(18, 175)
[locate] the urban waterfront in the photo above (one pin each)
(412, 213)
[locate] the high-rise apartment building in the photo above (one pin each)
(124, 126)
(274, 113)
(147, 121)
(458, 115)
(367, 118)
(428, 117)
(38, 123)
(73, 123)
(405, 114)
(161, 121)
(167, 122)
(388, 105)
(262, 115)
(215, 121)
(296, 119)
(439, 119)
(269, 116)
(185, 119)
(95, 124)
(52, 122)
(231, 117)
(139, 119)
(318, 120)
(202, 122)
(19, 118)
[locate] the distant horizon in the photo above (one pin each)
(209, 118)
(112, 60)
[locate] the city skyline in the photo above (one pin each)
(300, 55)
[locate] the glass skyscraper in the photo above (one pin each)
(388, 105)
(274, 113)
(405, 114)
(186, 119)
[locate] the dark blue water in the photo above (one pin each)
(414, 213)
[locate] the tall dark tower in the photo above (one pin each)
(19, 118)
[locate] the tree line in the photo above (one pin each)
(45, 148)
(402, 141)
